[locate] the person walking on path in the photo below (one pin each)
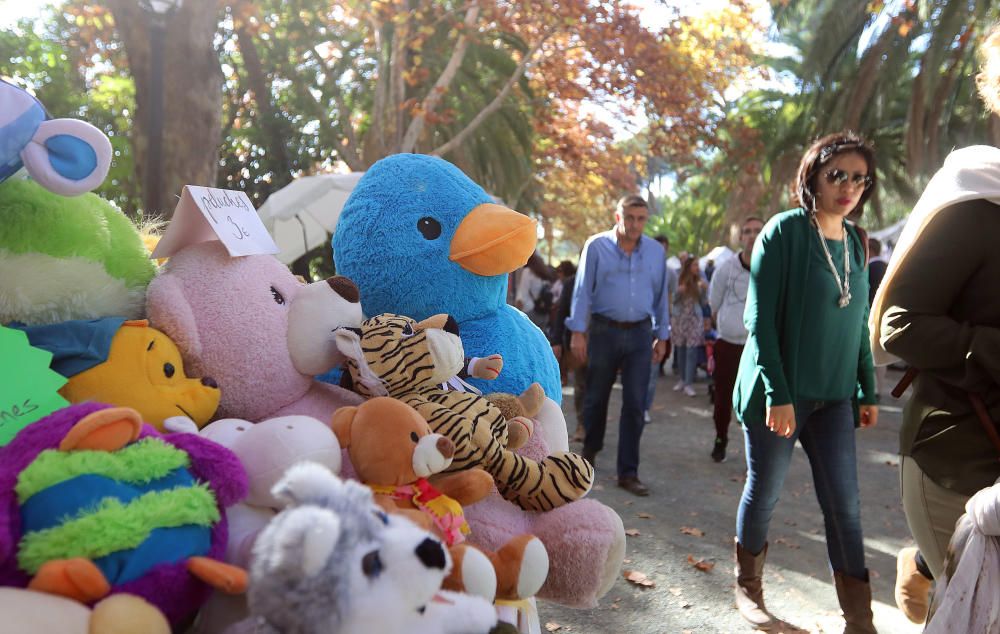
(806, 356)
(938, 310)
(657, 370)
(877, 267)
(534, 292)
(727, 296)
(619, 321)
(688, 323)
(559, 338)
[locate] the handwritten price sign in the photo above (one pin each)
(28, 387)
(207, 213)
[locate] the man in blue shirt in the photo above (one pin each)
(619, 320)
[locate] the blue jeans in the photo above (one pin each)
(826, 431)
(687, 360)
(609, 349)
(654, 375)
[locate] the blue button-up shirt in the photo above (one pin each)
(620, 286)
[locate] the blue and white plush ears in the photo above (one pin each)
(65, 156)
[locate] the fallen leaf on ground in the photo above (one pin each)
(639, 578)
(645, 516)
(701, 564)
(552, 627)
(615, 606)
(785, 542)
(690, 530)
(675, 591)
(632, 532)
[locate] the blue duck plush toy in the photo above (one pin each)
(420, 238)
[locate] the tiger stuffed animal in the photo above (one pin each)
(392, 355)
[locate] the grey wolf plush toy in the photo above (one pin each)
(334, 563)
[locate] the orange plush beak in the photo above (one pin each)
(493, 240)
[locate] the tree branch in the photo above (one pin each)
(436, 93)
(381, 91)
(494, 105)
(351, 153)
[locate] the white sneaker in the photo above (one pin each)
(645, 416)
(680, 384)
(689, 390)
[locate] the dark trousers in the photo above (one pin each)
(727, 364)
(610, 348)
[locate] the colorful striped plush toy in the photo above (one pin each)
(93, 502)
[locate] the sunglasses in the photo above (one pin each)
(838, 177)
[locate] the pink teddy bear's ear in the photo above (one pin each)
(168, 310)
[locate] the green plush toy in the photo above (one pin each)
(67, 258)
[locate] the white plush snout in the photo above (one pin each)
(315, 313)
(447, 354)
(428, 458)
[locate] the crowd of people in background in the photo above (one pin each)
(790, 331)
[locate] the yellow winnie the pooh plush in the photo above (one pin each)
(128, 364)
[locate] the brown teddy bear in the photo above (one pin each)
(394, 452)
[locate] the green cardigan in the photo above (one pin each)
(774, 316)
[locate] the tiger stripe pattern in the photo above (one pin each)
(400, 352)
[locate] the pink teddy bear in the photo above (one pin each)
(256, 329)
(262, 335)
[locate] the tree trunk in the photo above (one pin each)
(914, 132)
(993, 130)
(191, 97)
(267, 116)
(867, 77)
(942, 93)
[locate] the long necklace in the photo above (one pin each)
(843, 285)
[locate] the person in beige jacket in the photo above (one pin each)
(938, 310)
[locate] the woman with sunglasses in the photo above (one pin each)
(938, 310)
(806, 358)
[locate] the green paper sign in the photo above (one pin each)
(29, 389)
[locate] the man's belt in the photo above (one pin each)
(623, 325)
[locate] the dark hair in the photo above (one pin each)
(689, 279)
(567, 268)
(819, 154)
(632, 200)
(874, 247)
(752, 219)
(664, 240)
(539, 267)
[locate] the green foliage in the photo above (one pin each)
(901, 74)
(37, 55)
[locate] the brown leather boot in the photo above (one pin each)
(855, 597)
(750, 589)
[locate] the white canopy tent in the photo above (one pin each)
(889, 236)
(718, 255)
(301, 215)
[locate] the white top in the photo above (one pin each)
(727, 295)
(528, 287)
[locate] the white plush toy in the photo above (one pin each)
(333, 563)
(267, 450)
(28, 612)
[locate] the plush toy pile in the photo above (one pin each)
(202, 479)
